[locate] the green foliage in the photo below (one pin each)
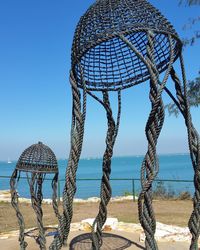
(161, 192)
(194, 91)
(164, 192)
(193, 96)
(189, 2)
(191, 23)
(194, 85)
(184, 196)
(127, 193)
(172, 109)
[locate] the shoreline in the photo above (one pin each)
(6, 197)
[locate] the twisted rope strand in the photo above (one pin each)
(150, 166)
(106, 190)
(194, 146)
(14, 203)
(54, 185)
(35, 184)
(69, 191)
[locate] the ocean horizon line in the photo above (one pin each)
(116, 156)
(173, 166)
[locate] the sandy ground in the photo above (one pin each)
(12, 243)
(172, 212)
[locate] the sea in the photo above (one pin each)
(176, 173)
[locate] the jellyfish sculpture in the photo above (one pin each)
(36, 161)
(119, 44)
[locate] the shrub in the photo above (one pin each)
(160, 191)
(184, 196)
(127, 193)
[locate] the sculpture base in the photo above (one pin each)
(110, 241)
(49, 231)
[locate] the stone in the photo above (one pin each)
(110, 224)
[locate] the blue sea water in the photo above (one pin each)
(173, 167)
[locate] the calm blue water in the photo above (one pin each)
(174, 167)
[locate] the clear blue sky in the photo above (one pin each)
(35, 97)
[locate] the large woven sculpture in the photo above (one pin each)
(36, 161)
(118, 44)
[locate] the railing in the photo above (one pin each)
(131, 181)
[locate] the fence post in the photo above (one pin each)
(133, 189)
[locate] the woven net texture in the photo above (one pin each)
(38, 158)
(107, 62)
(110, 241)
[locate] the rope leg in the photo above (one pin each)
(69, 191)
(14, 202)
(106, 190)
(54, 185)
(194, 146)
(36, 199)
(149, 168)
(154, 125)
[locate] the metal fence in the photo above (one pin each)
(90, 187)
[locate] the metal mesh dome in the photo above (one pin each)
(105, 60)
(38, 158)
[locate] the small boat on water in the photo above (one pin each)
(9, 161)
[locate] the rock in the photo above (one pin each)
(5, 195)
(47, 201)
(93, 199)
(169, 233)
(24, 200)
(75, 227)
(110, 224)
(123, 198)
(76, 200)
(7, 235)
(86, 227)
(129, 227)
(107, 228)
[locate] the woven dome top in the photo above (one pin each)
(38, 158)
(106, 62)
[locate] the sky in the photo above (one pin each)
(35, 96)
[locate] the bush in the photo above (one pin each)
(127, 193)
(184, 196)
(160, 191)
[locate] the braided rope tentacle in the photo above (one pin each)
(194, 146)
(54, 185)
(69, 191)
(106, 190)
(35, 184)
(150, 166)
(154, 124)
(14, 203)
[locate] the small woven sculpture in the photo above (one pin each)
(36, 161)
(118, 44)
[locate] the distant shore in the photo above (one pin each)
(6, 197)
